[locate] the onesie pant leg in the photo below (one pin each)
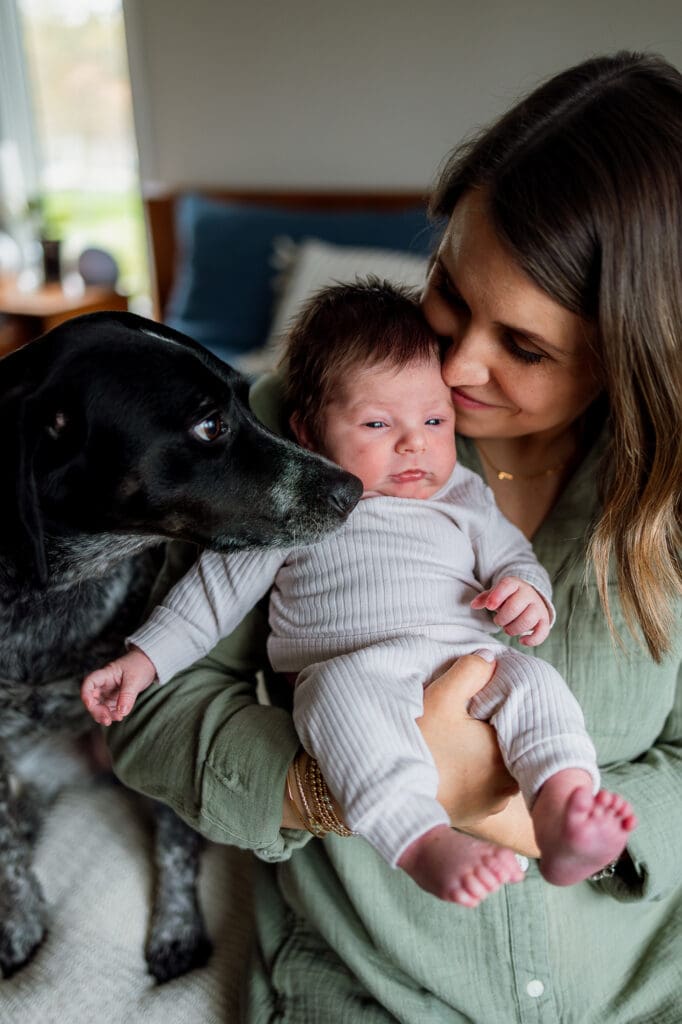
(355, 713)
(539, 723)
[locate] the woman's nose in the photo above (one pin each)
(465, 362)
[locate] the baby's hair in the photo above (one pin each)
(346, 327)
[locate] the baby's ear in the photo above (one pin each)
(301, 432)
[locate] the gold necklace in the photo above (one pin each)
(502, 474)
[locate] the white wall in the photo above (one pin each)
(353, 93)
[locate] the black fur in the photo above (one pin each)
(118, 433)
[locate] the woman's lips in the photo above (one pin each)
(464, 401)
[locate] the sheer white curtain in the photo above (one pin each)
(19, 150)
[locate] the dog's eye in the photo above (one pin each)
(209, 429)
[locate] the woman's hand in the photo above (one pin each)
(475, 787)
(474, 782)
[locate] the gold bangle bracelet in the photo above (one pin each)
(322, 799)
(293, 803)
(313, 826)
(318, 815)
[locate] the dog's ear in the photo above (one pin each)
(28, 501)
(21, 525)
(20, 515)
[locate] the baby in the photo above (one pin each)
(371, 614)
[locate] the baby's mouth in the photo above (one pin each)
(409, 476)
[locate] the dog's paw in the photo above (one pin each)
(169, 956)
(22, 927)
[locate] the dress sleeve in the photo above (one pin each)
(653, 784)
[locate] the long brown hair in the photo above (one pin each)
(584, 180)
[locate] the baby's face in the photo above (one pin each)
(395, 429)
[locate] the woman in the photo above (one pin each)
(557, 280)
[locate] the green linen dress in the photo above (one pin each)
(343, 938)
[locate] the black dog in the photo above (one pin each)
(116, 433)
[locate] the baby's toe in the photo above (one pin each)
(472, 885)
(463, 898)
(487, 878)
(580, 804)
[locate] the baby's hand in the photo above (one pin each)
(109, 693)
(521, 611)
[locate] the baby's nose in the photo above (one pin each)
(415, 441)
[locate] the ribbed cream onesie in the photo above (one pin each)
(368, 616)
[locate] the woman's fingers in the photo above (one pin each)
(460, 682)
(473, 781)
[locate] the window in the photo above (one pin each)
(87, 177)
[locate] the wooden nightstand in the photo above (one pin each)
(29, 314)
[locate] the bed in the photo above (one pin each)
(229, 268)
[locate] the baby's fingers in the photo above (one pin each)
(537, 635)
(480, 601)
(492, 599)
(102, 680)
(514, 608)
(99, 693)
(126, 701)
(99, 704)
(101, 714)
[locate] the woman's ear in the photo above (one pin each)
(300, 430)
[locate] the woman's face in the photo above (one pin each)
(519, 362)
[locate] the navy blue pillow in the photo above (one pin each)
(223, 294)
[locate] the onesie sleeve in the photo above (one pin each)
(204, 745)
(207, 603)
(502, 550)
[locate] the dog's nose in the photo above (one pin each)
(346, 494)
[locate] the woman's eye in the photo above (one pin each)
(523, 354)
(209, 429)
(445, 288)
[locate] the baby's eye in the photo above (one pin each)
(434, 421)
(374, 424)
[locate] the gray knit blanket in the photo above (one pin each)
(94, 863)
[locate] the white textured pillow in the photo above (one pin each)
(313, 265)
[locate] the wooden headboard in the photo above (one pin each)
(160, 214)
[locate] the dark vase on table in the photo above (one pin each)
(51, 260)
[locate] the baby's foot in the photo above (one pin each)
(578, 833)
(457, 868)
